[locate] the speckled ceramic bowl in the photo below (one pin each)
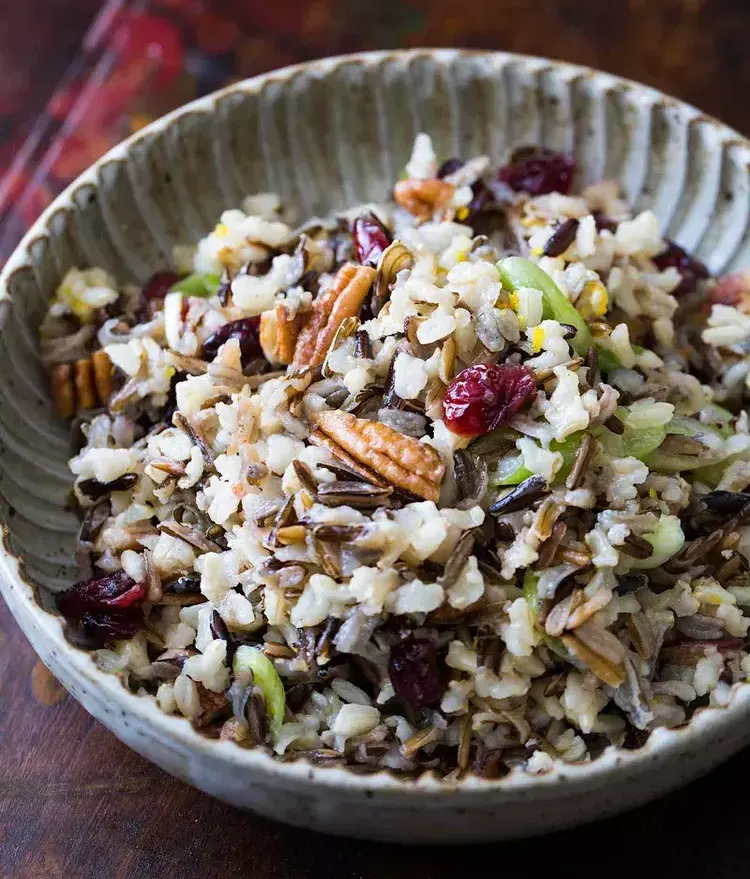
(329, 134)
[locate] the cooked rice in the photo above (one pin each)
(528, 600)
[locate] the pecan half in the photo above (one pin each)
(318, 438)
(401, 460)
(103, 375)
(342, 299)
(423, 197)
(82, 385)
(63, 390)
(278, 334)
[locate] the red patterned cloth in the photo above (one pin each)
(141, 59)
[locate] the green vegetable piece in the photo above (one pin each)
(197, 285)
(667, 540)
(515, 272)
(640, 443)
(531, 595)
(607, 360)
(513, 471)
(633, 443)
(530, 581)
(510, 471)
(267, 678)
(711, 474)
(681, 425)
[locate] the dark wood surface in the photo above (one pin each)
(77, 804)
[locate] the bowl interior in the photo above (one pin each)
(330, 135)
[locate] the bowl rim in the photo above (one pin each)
(663, 745)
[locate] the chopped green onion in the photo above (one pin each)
(633, 443)
(510, 471)
(516, 272)
(530, 592)
(667, 540)
(198, 285)
(513, 471)
(267, 678)
(681, 425)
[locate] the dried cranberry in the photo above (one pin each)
(539, 170)
(156, 288)
(449, 166)
(691, 269)
(115, 592)
(115, 625)
(158, 285)
(414, 672)
(482, 397)
(370, 239)
(246, 330)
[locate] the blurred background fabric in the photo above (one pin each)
(77, 76)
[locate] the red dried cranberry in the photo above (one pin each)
(414, 672)
(115, 592)
(449, 166)
(114, 625)
(155, 289)
(538, 171)
(482, 397)
(691, 269)
(246, 330)
(480, 197)
(158, 285)
(370, 239)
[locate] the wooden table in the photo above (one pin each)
(77, 804)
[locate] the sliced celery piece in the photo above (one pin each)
(198, 285)
(667, 540)
(267, 678)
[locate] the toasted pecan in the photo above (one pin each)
(84, 385)
(423, 197)
(103, 375)
(318, 438)
(342, 299)
(63, 390)
(278, 334)
(401, 460)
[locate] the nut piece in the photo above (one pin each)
(423, 197)
(278, 334)
(342, 299)
(402, 460)
(103, 376)
(82, 385)
(63, 391)
(319, 439)
(85, 389)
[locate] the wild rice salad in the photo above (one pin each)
(456, 483)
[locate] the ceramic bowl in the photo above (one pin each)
(329, 134)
